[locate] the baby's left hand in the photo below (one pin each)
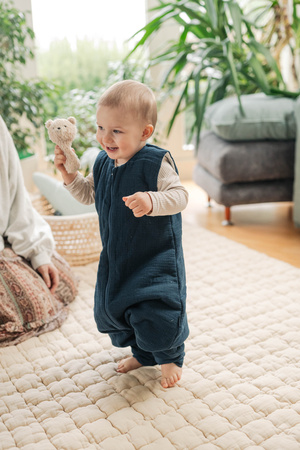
(140, 203)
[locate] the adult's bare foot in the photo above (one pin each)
(127, 364)
(171, 373)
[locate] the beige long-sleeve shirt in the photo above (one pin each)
(170, 198)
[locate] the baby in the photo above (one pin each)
(140, 293)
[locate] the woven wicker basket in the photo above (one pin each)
(77, 237)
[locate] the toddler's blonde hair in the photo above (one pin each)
(134, 97)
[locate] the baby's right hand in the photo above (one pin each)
(59, 159)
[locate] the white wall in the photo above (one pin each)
(30, 70)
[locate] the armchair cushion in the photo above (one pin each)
(246, 161)
(266, 117)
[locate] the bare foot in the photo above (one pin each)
(127, 364)
(171, 373)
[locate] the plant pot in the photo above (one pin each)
(29, 166)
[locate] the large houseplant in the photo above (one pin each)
(217, 54)
(21, 105)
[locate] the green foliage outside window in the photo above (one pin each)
(70, 82)
(84, 67)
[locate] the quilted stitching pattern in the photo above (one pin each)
(241, 380)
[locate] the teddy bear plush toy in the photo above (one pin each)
(62, 132)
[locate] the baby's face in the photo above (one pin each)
(120, 135)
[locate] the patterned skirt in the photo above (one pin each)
(27, 307)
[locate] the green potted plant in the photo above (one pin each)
(21, 105)
(217, 54)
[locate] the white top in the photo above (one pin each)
(171, 197)
(28, 233)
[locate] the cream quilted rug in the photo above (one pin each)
(241, 381)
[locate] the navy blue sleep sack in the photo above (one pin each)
(141, 276)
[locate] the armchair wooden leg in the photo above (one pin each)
(209, 202)
(227, 220)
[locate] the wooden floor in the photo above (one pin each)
(267, 228)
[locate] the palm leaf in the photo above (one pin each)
(152, 27)
(259, 48)
(212, 13)
(236, 16)
(177, 110)
(259, 74)
(176, 67)
(231, 65)
(201, 102)
(201, 19)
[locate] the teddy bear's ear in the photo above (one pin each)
(72, 120)
(48, 123)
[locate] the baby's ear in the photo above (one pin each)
(72, 120)
(148, 130)
(48, 123)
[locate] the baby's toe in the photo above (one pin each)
(167, 382)
(120, 366)
(164, 383)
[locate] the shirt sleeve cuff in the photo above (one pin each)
(74, 182)
(40, 259)
(154, 205)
